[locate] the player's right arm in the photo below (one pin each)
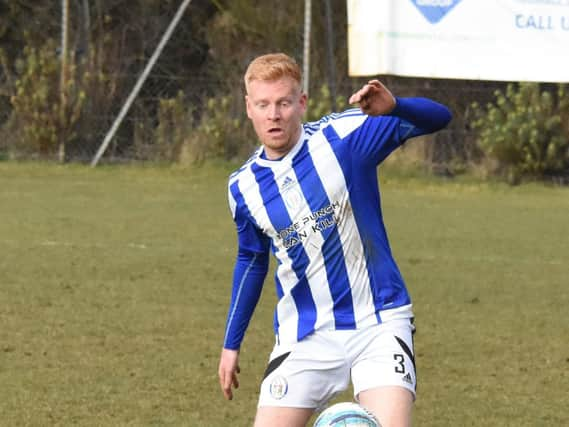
(248, 278)
(250, 270)
(249, 275)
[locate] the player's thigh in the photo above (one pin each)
(307, 376)
(384, 375)
(391, 405)
(271, 416)
(387, 358)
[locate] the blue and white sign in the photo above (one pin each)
(435, 10)
(507, 40)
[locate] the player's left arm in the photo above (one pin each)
(420, 116)
(391, 121)
(425, 115)
(374, 99)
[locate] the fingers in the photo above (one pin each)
(364, 106)
(374, 98)
(361, 98)
(235, 380)
(228, 380)
(360, 94)
(228, 370)
(355, 98)
(227, 393)
(365, 91)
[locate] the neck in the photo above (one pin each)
(276, 153)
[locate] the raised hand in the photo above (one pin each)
(374, 99)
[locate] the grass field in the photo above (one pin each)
(114, 285)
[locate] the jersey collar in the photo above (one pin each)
(286, 158)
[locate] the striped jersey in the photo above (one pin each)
(318, 211)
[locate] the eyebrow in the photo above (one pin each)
(283, 98)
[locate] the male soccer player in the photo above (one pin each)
(310, 195)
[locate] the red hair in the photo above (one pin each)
(271, 67)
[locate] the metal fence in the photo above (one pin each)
(135, 139)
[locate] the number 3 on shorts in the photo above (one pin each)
(400, 367)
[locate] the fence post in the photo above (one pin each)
(63, 79)
(140, 82)
(306, 52)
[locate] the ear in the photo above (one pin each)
(303, 101)
(248, 105)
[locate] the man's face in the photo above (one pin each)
(276, 109)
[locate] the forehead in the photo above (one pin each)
(272, 89)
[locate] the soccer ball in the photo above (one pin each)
(346, 414)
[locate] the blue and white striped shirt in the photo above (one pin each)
(318, 209)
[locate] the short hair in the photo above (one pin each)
(271, 67)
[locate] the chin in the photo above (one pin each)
(276, 143)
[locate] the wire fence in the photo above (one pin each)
(181, 104)
(141, 135)
(136, 138)
(173, 102)
(457, 144)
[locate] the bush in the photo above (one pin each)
(526, 131)
(223, 133)
(174, 124)
(320, 104)
(44, 114)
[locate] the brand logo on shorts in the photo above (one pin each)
(278, 387)
(407, 378)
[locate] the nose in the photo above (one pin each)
(274, 112)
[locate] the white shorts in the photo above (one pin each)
(311, 372)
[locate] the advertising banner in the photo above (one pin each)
(505, 40)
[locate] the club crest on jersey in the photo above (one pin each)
(435, 10)
(278, 387)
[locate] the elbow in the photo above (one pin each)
(441, 121)
(448, 117)
(444, 119)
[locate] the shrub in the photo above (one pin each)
(174, 124)
(223, 133)
(160, 129)
(526, 131)
(320, 104)
(44, 118)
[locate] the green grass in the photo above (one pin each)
(114, 285)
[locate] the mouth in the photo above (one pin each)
(275, 131)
